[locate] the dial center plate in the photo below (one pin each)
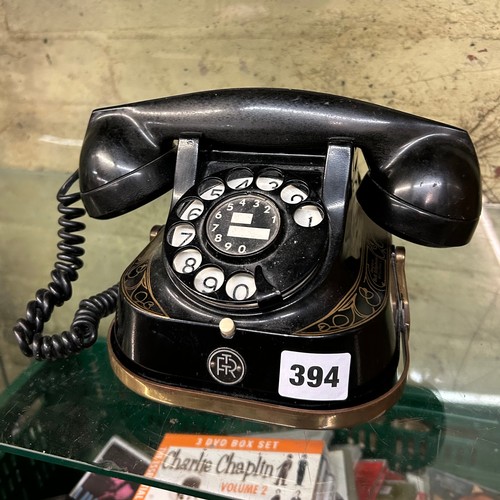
(243, 224)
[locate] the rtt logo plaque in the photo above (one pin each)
(226, 366)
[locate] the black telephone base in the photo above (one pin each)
(247, 409)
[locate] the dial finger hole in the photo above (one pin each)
(211, 189)
(239, 178)
(240, 286)
(269, 180)
(190, 209)
(181, 235)
(187, 261)
(209, 279)
(308, 215)
(294, 193)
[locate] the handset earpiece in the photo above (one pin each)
(429, 191)
(123, 166)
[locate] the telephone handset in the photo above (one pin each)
(272, 291)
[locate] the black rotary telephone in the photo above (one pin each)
(272, 291)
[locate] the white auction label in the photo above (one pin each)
(314, 377)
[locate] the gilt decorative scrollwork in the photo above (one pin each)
(365, 299)
(137, 288)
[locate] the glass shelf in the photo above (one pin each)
(65, 412)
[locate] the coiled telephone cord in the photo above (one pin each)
(84, 328)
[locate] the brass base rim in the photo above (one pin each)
(260, 411)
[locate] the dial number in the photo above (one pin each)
(308, 215)
(240, 286)
(181, 235)
(187, 261)
(294, 193)
(269, 180)
(190, 209)
(239, 178)
(211, 189)
(209, 279)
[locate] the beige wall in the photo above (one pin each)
(61, 59)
